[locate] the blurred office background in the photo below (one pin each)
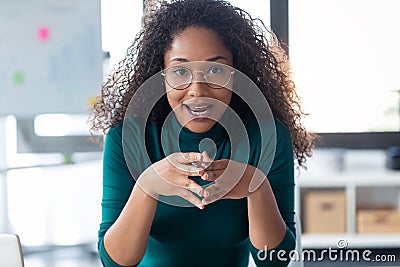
(344, 56)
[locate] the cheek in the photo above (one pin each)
(225, 96)
(224, 99)
(174, 98)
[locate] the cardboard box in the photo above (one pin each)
(325, 211)
(378, 221)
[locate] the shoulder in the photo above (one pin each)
(282, 132)
(276, 156)
(125, 146)
(127, 128)
(283, 135)
(283, 162)
(114, 136)
(124, 133)
(115, 131)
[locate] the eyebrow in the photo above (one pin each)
(180, 59)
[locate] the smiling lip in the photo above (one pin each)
(198, 111)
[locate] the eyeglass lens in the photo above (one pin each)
(181, 77)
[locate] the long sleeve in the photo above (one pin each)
(281, 178)
(117, 186)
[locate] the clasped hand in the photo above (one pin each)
(170, 177)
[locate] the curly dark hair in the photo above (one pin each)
(256, 53)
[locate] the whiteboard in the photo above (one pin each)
(50, 56)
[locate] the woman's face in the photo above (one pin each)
(198, 106)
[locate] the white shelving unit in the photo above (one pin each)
(366, 182)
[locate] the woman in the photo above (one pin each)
(231, 207)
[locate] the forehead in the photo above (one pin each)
(197, 44)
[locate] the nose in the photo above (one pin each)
(198, 76)
(198, 87)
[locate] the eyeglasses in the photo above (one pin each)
(216, 76)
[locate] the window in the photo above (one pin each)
(120, 22)
(256, 8)
(345, 56)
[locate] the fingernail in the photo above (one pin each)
(195, 171)
(205, 176)
(204, 201)
(200, 206)
(198, 156)
(200, 192)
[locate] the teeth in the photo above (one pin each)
(198, 110)
(198, 107)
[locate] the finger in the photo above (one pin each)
(188, 157)
(217, 165)
(207, 160)
(212, 194)
(189, 170)
(211, 175)
(206, 157)
(191, 185)
(184, 162)
(185, 194)
(213, 189)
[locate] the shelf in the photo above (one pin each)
(323, 241)
(366, 181)
(380, 177)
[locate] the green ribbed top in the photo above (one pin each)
(186, 236)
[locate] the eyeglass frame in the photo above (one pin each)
(192, 72)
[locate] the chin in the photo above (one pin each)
(200, 125)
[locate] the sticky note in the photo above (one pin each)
(91, 102)
(18, 77)
(43, 33)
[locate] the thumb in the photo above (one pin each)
(206, 159)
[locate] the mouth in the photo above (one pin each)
(199, 111)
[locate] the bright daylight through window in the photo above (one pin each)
(345, 57)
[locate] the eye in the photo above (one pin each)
(215, 70)
(181, 72)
